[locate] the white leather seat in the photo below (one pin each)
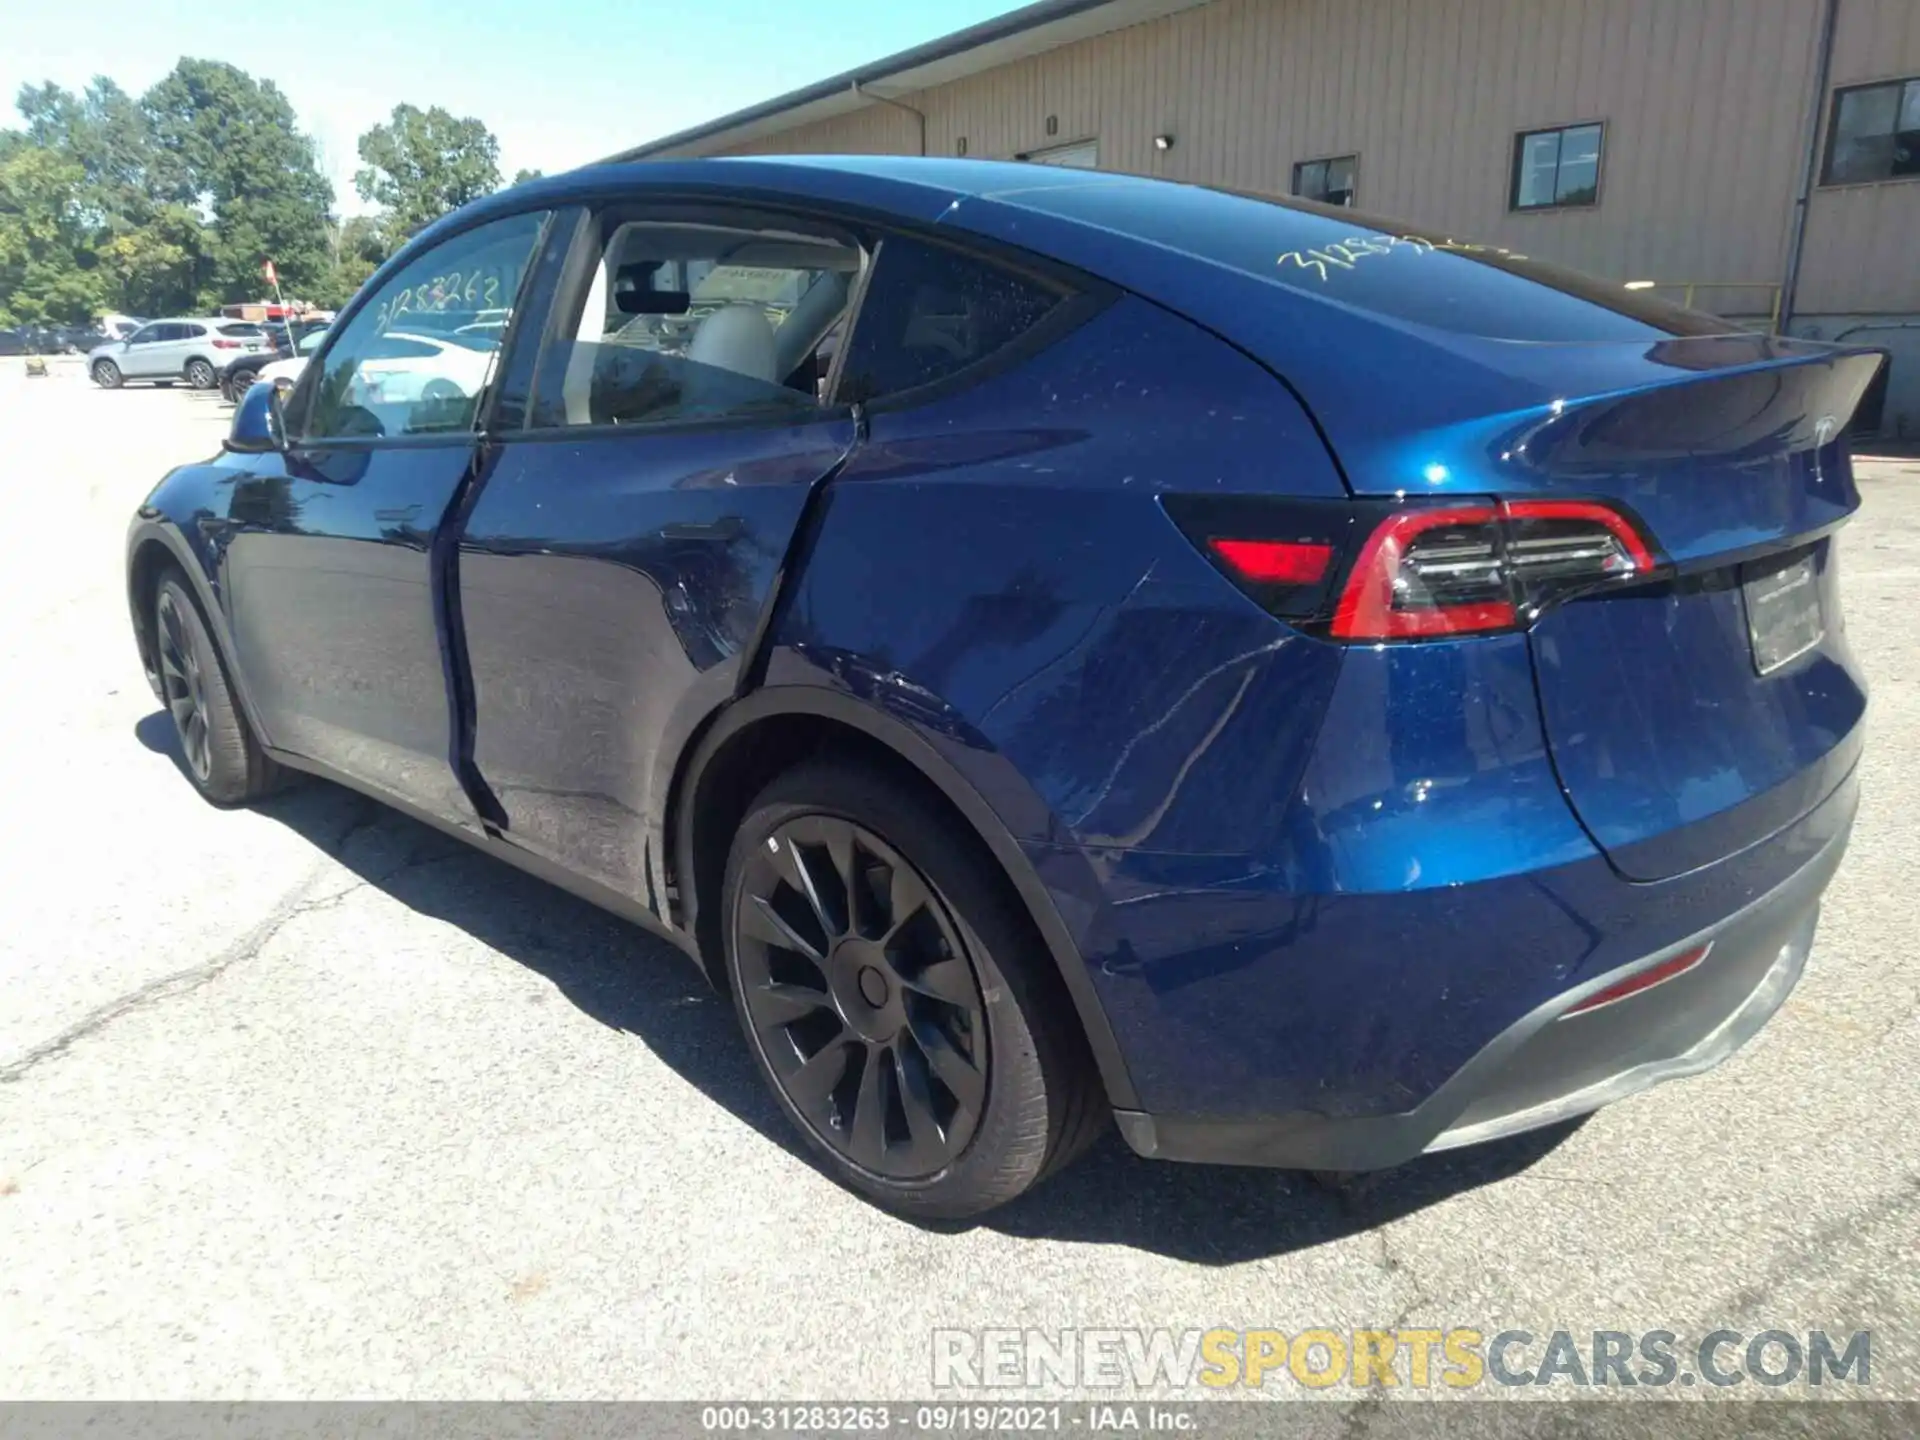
(737, 338)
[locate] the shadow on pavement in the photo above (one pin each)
(633, 982)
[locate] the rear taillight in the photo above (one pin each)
(1417, 571)
(1275, 562)
(227, 345)
(1467, 569)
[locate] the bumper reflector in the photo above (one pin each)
(1642, 980)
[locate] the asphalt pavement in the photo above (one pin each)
(309, 1101)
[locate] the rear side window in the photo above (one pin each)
(691, 317)
(191, 332)
(930, 313)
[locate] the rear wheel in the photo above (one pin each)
(222, 759)
(201, 375)
(106, 375)
(909, 1021)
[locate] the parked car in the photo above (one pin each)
(48, 340)
(81, 339)
(163, 351)
(401, 367)
(1310, 690)
(244, 370)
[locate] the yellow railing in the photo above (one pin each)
(1687, 292)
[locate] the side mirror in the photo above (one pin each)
(259, 422)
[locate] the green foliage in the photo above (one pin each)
(45, 274)
(232, 147)
(357, 249)
(423, 163)
(521, 177)
(170, 202)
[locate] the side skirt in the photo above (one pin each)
(501, 848)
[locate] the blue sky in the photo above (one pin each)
(560, 82)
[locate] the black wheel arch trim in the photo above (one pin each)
(155, 528)
(908, 746)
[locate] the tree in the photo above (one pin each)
(107, 134)
(227, 145)
(423, 163)
(170, 202)
(521, 177)
(155, 268)
(357, 250)
(47, 272)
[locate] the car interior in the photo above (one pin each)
(694, 321)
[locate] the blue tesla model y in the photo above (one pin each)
(1055, 646)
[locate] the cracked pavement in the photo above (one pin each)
(309, 1101)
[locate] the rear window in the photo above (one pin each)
(1403, 272)
(930, 312)
(240, 328)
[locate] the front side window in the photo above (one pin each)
(146, 335)
(1331, 182)
(691, 321)
(1874, 134)
(416, 358)
(1556, 168)
(931, 312)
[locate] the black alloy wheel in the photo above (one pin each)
(182, 679)
(222, 759)
(896, 995)
(861, 997)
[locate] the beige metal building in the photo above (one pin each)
(1760, 158)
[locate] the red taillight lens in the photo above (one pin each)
(1463, 569)
(1275, 562)
(226, 345)
(1644, 980)
(1427, 572)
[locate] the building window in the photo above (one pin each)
(1875, 133)
(1331, 182)
(1553, 168)
(1085, 155)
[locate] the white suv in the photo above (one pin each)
(163, 351)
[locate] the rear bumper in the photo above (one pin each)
(1550, 1065)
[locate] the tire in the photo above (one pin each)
(221, 756)
(939, 1073)
(107, 375)
(201, 375)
